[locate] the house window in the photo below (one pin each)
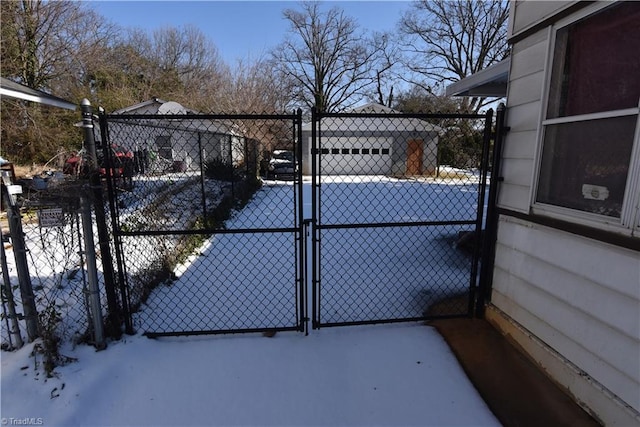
(590, 127)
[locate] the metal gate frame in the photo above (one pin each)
(119, 232)
(475, 298)
(308, 251)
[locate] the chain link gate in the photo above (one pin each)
(396, 218)
(398, 211)
(202, 245)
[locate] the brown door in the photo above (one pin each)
(415, 151)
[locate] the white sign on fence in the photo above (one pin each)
(51, 217)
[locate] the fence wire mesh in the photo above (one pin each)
(399, 202)
(207, 218)
(54, 240)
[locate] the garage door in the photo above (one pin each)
(355, 155)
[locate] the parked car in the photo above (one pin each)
(282, 163)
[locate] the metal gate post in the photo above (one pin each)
(7, 295)
(315, 314)
(484, 165)
(113, 319)
(92, 273)
(22, 266)
(113, 207)
(491, 227)
(302, 227)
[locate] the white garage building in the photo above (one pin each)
(363, 145)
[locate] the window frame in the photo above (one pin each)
(629, 220)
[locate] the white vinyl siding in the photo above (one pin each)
(518, 171)
(578, 296)
(523, 103)
(531, 53)
(587, 313)
(526, 89)
(527, 13)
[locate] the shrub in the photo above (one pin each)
(220, 170)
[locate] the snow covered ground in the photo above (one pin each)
(248, 280)
(366, 375)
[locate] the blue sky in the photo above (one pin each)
(240, 28)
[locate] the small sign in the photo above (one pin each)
(594, 192)
(14, 189)
(51, 217)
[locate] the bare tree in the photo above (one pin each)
(419, 100)
(386, 66)
(188, 53)
(40, 43)
(180, 64)
(446, 41)
(255, 86)
(326, 56)
(40, 38)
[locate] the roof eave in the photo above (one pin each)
(490, 82)
(139, 105)
(16, 90)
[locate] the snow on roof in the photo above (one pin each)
(399, 124)
(159, 106)
(373, 107)
(153, 105)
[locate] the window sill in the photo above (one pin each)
(614, 234)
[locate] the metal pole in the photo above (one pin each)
(87, 227)
(22, 266)
(302, 226)
(233, 188)
(14, 329)
(92, 273)
(202, 182)
(484, 163)
(115, 227)
(87, 129)
(491, 227)
(315, 149)
(114, 317)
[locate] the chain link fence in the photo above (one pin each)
(207, 224)
(399, 213)
(48, 216)
(201, 251)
